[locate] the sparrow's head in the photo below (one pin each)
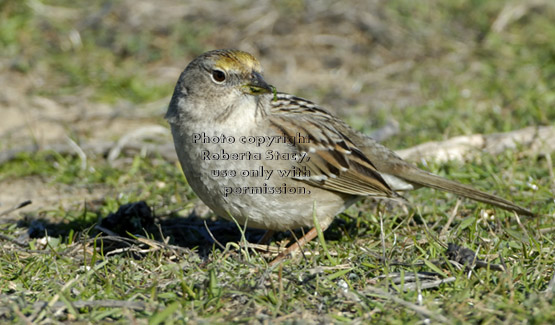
(216, 84)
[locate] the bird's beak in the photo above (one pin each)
(257, 85)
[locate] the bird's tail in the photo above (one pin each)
(423, 178)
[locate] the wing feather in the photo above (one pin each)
(334, 161)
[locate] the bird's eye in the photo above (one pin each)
(218, 76)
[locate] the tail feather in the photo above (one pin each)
(423, 178)
(387, 162)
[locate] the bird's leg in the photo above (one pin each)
(266, 237)
(310, 235)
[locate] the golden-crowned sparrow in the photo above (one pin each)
(269, 159)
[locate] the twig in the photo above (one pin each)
(13, 240)
(451, 218)
(19, 206)
(138, 134)
(135, 305)
(80, 153)
(165, 150)
(427, 284)
(60, 305)
(533, 139)
(106, 231)
(417, 309)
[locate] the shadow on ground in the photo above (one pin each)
(137, 219)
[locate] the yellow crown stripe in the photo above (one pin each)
(238, 61)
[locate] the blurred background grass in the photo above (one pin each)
(439, 68)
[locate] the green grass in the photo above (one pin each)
(229, 285)
(167, 269)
